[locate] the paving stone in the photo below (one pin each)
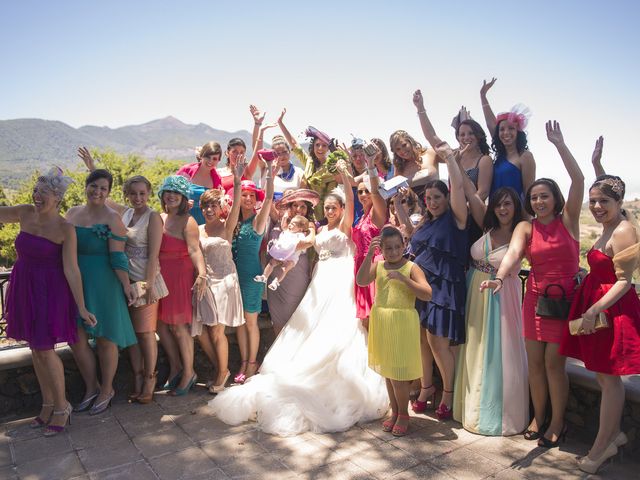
(9, 473)
(424, 444)
(308, 455)
(501, 450)
(190, 463)
(420, 472)
(210, 428)
(349, 442)
(541, 463)
(509, 474)
(264, 467)
(41, 447)
(5, 454)
(138, 470)
(340, 470)
(228, 449)
(95, 435)
(147, 422)
(384, 461)
(52, 468)
(164, 441)
(98, 458)
(465, 464)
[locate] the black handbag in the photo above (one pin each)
(557, 308)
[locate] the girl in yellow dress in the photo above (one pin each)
(394, 328)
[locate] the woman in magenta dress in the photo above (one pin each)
(180, 258)
(550, 243)
(44, 288)
(613, 351)
(369, 226)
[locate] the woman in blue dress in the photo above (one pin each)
(245, 247)
(107, 291)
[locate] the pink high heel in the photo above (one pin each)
(419, 406)
(240, 377)
(443, 412)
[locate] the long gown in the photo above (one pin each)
(362, 233)
(614, 350)
(40, 307)
(246, 248)
(491, 389)
(315, 376)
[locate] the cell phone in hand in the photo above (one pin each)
(370, 150)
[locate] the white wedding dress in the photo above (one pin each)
(315, 376)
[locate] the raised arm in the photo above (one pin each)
(596, 157)
(476, 203)
(260, 222)
(429, 169)
(489, 116)
(258, 118)
(72, 272)
(85, 156)
(379, 206)
(290, 138)
(367, 271)
(485, 176)
(347, 216)
(427, 128)
(232, 218)
(512, 258)
(255, 158)
(528, 170)
(457, 200)
(571, 212)
(401, 211)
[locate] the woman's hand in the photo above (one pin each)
(83, 153)
(588, 322)
(486, 86)
(199, 286)
(596, 156)
(88, 317)
(284, 110)
(554, 134)
(257, 116)
(418, 101)
(129, 294)
(495, 285)
(443, 150)
(149, 294)
(375, 244)
(238, 170)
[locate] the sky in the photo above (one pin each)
(346, 67)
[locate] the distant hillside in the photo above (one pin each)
(27, 144)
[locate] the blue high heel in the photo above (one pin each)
(87, 403)
(179, 392)
(173, 383)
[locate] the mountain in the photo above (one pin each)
(29, 144)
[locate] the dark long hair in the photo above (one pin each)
(500, 149)
(555, 191)
(491, 219)
(479, 134)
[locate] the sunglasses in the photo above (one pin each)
(362, 192)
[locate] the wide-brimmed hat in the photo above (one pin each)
(175, 183)
(299, 195)
(250, 186)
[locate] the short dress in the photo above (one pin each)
(361, 234)
(284, 247)
(614, 350)
(491, 388)
(103, 294)
(222, 301)
(554, 257)
(440, 249)
(40, 308)
(394, 328)
(179, 274)
(506, 174)
(245, 247)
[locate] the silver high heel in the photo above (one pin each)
(52, 430)
(591, 466)
(103, 405)
(87, 402)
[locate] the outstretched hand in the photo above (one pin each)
(495, 285)
(255, 113)
(597, 151)
(375, 244)
(486, 86)
(85, 156)
(443, 150)
(418, 100)
(238, 170)
(554, 134)
(284, 110)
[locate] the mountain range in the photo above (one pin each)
(29, 144)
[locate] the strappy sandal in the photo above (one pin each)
(400, 430)
(388, 424)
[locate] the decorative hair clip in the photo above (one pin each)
(315, 133)
(56, 181)
(519, 115)
(616, 184)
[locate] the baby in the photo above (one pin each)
(284, 251)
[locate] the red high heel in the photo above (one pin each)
(443, 412)
(400, 430)
(419, 406)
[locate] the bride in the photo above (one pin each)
(315, 376)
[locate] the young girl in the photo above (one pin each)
(284, 251)
(394, 328)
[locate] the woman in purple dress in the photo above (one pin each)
(44, 288)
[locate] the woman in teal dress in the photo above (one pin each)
(104, 267)
(246, 245)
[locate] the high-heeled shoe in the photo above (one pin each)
(98, 408)
(400, 430)
(443, 412)
(620, 440)
(588, 465)
(219, 388)
(40, 422)
(87, 403)
(534, 434)
(170, 384)
(146, 399)
(137, 386)
(544, 442)
(52, 430)
(179, 392)
(388, 424)
(418, 406)
(240, 377)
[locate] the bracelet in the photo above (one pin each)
(257, 123)
(202, 276)
(421, 111)
(485, 104)
(498, 279)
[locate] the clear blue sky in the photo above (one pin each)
(345, 67)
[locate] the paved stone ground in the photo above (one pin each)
(175, 438)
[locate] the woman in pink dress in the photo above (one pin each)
(369, 226)
(180, 256)
(550, 243)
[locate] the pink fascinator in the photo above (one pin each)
(315, 133)
(519, 115)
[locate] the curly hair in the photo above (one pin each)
(478, 132)
(500, 149)
(397, 137)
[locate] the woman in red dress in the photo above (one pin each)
(615, 350)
